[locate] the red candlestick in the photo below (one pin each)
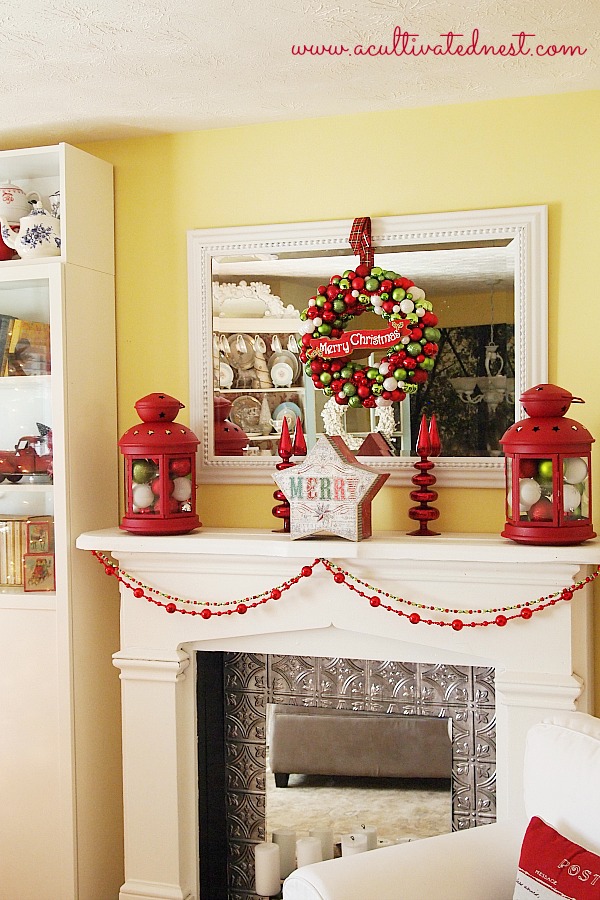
(299, 447)
(428, 444)
(285, 450)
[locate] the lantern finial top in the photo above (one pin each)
(158, 408)
(547, 400)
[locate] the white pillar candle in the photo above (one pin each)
(267, 881)
(325, 835)
(354, 843)
(286, 839)
(308, 850)
(371, 833)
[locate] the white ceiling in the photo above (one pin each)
(74, 70)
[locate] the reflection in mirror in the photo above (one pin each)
(481, 280)
(354, 771)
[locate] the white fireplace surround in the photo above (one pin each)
(542, 665)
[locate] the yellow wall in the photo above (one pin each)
(533, 150)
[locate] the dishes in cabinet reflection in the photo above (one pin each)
(287, 357)
(245, 412)
(282, 375)
(287, 410)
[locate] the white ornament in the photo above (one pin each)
(529, 492)
(312, 301)
(182, 489)
(142, 495)
(317, 321)
(384, 368)
(307, 327)
(376, 301)
(405, 340)
(420, 311)
(571, 497)
(378, 310)
(381, 401)
(416, 293)
(390, 384)
(407, 306)
(396, 309)
(574, 470)
(355, 293)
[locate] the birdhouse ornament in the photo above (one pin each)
(548, 472)
(160, 470)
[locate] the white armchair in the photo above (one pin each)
(562, 787)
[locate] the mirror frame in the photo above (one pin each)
(527, 226)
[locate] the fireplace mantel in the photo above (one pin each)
(542, 665)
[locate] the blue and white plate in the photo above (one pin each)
(290, 411)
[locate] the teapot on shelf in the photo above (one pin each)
(14, 202)
(39, 233)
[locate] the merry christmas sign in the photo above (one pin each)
(330, 492)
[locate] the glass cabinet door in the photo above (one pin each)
(26, 438)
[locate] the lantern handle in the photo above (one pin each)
(577, 400)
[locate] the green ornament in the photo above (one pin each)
(413, 349)
(399, 374)
(325, 377)
(377, 389)
(324, 329)
(143, 471)
(354, 402)
(432, 334)
(321, 300)
(346, 372)
(398, 294)
(372, 374)
(349, 389)
(427, 364)
(372, 284)
(545, 469)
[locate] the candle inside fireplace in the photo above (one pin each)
(308, 850)
(371, 833)
(325, 835)
(266, 869)
(354, 843)
(286, 840)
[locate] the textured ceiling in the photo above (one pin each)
(81, 71)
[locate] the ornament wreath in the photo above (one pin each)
(412, 328)
(377, 598)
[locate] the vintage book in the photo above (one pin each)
(29, 348)
(6, 327)
(21, 536)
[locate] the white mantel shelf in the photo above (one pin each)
(383, 545)
(542, 666)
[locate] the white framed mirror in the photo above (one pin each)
(484, 271)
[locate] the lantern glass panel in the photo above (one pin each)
(575, 488)
(509, 487)
(141, 475)
(536, 489)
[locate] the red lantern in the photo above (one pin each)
(548, 472)
(160, 470)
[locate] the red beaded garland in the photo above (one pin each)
(341, 577)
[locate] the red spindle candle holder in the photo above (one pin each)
(428, 444)
(287, 449)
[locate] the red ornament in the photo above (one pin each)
(548, 472)
(156, 501)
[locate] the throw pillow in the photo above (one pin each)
(551, 866)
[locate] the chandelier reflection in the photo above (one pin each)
(493, 387)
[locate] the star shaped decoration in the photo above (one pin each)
(329, 492)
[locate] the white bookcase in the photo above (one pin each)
(59, 710)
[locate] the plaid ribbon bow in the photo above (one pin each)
(360, 240)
